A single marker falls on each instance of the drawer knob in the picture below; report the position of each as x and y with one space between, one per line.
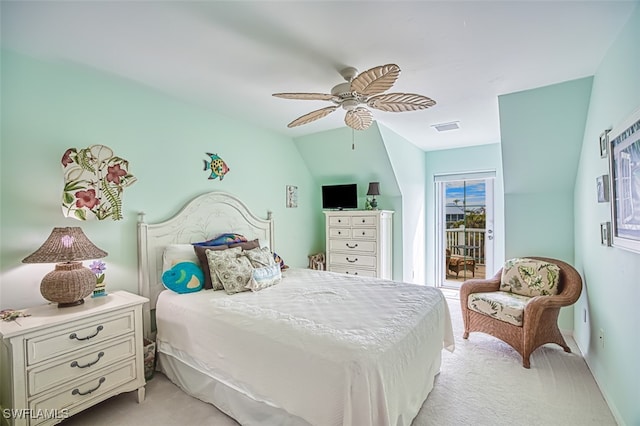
352 261
339 232
364 233
339 221
363 221
75 336
89 364
76 391
351 246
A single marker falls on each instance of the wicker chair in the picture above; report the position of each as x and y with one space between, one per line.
540 319
456 263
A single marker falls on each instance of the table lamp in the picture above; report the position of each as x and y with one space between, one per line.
374 189
70 282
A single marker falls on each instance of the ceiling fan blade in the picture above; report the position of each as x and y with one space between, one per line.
305 96
376 80
359 118
400 102
312 116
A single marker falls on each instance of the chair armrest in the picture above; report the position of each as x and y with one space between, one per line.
479 286
548 302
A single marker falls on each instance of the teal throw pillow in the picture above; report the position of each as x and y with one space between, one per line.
184 277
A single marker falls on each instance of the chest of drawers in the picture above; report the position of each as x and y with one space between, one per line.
59 361
359 242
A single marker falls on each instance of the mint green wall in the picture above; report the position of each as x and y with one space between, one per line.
463 160
542 131
331 160
48 107
408 164
611 275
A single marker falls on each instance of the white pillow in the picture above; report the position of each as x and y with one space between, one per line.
176 253
262 278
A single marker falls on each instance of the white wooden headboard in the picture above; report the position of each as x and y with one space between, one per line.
204 217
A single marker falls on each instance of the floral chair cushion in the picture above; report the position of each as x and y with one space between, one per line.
501 305
530 277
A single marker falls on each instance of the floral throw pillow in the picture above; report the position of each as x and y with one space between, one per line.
530 277
260 257
232 267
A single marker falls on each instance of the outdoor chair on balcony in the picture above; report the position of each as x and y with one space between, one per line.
520 304
456 263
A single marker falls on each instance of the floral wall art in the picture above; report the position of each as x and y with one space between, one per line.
94 179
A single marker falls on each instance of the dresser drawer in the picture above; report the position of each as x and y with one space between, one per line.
364 233
80 364
354 271
339 233
353 246
339 221
353 259
78 336
363 221
82 391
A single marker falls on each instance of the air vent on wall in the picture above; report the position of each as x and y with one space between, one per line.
445 127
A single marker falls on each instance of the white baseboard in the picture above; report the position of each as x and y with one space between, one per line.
612 406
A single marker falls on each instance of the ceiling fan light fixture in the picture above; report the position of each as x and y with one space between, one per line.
365 88
342 89
349 104
446 127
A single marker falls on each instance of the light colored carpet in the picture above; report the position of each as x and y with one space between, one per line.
481 383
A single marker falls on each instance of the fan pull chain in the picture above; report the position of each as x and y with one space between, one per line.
353 140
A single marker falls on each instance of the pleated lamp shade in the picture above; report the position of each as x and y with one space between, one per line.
374 189
70 282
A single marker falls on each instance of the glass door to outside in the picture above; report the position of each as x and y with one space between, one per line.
464 228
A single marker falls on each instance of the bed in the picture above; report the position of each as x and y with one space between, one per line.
318 348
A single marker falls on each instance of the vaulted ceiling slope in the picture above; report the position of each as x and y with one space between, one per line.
232 56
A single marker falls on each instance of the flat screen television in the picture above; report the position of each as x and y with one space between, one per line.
338 197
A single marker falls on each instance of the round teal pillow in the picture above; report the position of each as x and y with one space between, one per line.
184 277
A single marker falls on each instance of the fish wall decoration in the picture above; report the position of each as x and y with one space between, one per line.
217 166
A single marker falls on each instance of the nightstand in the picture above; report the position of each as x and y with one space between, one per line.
60 361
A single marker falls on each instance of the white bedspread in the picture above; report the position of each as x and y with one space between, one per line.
330 348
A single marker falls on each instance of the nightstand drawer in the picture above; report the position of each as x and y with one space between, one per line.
82 391
339 233
354 271
340 221
352 259
352 246
80 364
80 335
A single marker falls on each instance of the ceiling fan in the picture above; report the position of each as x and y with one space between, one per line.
364 88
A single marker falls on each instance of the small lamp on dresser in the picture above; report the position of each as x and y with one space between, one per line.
374 189
70 282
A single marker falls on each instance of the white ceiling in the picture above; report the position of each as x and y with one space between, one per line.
231 56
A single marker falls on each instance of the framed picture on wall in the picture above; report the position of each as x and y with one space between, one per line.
624 177
605 233
602 186
604 143
292 196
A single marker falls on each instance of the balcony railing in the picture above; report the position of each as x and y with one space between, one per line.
467 242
